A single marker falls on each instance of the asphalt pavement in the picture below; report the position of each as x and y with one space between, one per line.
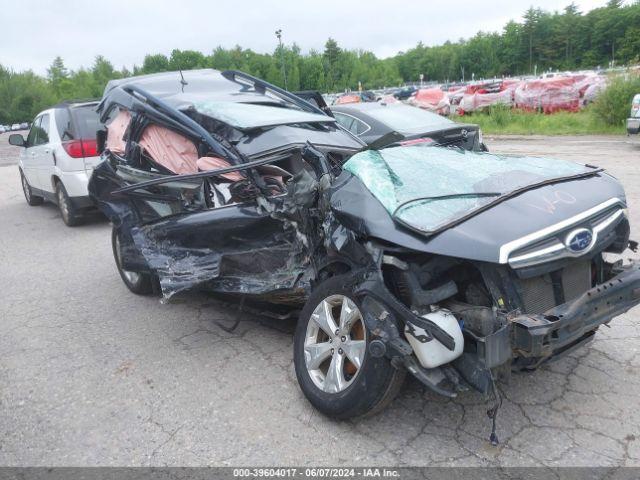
91 374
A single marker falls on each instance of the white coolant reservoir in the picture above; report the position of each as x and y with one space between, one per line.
432 353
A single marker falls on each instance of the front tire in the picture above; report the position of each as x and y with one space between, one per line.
138 283
333 365
32 200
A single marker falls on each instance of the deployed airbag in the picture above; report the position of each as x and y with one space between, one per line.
169 149
215 163
116 131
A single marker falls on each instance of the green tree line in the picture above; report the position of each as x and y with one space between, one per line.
543 40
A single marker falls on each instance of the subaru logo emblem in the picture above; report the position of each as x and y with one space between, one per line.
579 241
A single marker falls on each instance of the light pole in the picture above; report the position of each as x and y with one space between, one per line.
284 72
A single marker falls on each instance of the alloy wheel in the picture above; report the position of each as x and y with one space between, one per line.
335 344
62 204
26 189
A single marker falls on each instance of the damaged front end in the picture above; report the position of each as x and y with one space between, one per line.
522 267
454 266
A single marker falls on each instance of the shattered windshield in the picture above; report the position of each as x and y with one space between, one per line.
248 115
428 187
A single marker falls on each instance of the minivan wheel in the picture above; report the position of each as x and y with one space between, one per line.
31 199
334 368
69 215
138 283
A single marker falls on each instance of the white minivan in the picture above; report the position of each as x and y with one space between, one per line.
58 157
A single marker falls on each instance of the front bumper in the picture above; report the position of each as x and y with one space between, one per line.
559 330
633 125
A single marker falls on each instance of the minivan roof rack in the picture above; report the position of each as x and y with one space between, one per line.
75 101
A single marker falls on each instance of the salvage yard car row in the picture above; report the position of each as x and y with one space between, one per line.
400 244
548 93
14 127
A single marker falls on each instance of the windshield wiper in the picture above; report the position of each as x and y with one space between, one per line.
446 197
498 198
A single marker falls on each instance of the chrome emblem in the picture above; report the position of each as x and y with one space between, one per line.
579 241
464 132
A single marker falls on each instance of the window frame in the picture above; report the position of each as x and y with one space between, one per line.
44 116
354 120
34 126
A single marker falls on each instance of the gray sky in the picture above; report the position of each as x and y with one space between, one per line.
34 32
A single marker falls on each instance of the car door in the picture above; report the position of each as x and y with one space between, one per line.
29 153
42 157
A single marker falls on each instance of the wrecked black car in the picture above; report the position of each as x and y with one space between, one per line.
381 125
452 265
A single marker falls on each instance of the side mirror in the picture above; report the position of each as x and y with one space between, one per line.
17 140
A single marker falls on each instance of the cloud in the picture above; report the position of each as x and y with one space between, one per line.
124 31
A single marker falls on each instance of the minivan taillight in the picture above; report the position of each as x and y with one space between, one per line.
81 148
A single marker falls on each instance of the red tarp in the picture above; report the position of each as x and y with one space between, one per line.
549 95
568 93
477 101
455 94
590 87
480 99
432 99
389 99
348 99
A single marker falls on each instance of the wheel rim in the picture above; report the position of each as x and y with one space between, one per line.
62 204
132 277
26 189
335 344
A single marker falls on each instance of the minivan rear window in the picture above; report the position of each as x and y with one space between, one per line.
86 121
77 122
63 124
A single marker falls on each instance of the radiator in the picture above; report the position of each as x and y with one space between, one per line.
538 293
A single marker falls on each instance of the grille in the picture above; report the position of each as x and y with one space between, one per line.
538 295
552 247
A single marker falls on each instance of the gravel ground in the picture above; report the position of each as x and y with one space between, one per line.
93 375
